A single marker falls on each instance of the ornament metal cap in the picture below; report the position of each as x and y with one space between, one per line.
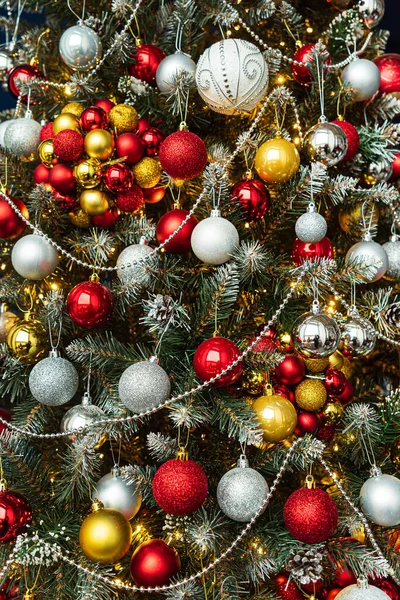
115 471
94 277
182 454
143 241
367 237
243 462
394 238
362 582
97 505
268 390
311 208
28 595
86 400
3 485
375 471
215 212
54 353
310 482
315 307
154 359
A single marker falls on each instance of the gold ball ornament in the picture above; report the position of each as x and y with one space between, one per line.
147 172
395 454
105 536
99 143
277 416
336 360
74 108
65 121
333 413
316 365
123 118
277 160
94 202
87 173
349 220
27 340
46 152
253 381
347 368
80 219
310 394
7 320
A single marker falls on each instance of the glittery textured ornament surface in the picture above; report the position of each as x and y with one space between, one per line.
287 590
311 394
46 133
33 257
68 145
75 108
113 492
310 515
137 272
22 138
80 219
354 592
147 172
311 227
380 499
316 365
143 386
123 118
180 486
53 381
214 240
131 200
392 249
353 138
105 536
183 155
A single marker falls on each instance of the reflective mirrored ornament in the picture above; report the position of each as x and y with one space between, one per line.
54 380
171 68
144 386
380 499
105 535
315 335
33 257
7 320
372 11
392 249
114 492
277 160
358 335
80 48
311 227
84 415
326 143
27 340
363 77
277 416
378 171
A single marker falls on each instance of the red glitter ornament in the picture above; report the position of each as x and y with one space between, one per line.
310 515
68 145
291 370
147 58
386 585
305 55
61 178
287 590
142 125
105 104
395 167
130 201
180 486
67 202
131 146
326 433
344 576
313 586
47 133
41 174
303 251
169 223
11 225
90 304
353 138
389 68
152 139
93 117
107 219
15 514
153 195
183 155
215 355
254 198
334 381
347 394
22 74
154 563
6 416
117 178
307 422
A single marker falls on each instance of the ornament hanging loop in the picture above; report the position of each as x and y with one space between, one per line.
310 482
179 34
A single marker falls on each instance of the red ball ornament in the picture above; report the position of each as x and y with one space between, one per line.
313 586
142 125
267 342
154 563
331 595
93 117
68 145
6 416
347 394
11 225
334 381
353 138
183 155
105 104
344 576
61 178
287 590
282 390
117 178
215 355
107 219
131 146
22 74
326 433
389 68
47 133
310 515
147 58
388 586
15 514
303 251
254 198
90 304
130 201
305 54
169 223
153 195
41 174
152 139
395 168
291 370
307 422
180 486
67 202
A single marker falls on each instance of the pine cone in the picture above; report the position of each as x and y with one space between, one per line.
161 308
305 565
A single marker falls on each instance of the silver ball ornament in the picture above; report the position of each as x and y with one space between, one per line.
22 137
3 127
113 492
370 256
139 272
214 239
80 47
379 171
311 227
392 249
241 492
33 257
326 143
144 386
83 415
53 381
372 11
232 76
380 499
315 335
358 335
364 78
363 591
6 61
170 68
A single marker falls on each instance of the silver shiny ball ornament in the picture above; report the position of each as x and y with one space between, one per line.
232 76
136 273
214 239
170 68
144 386
7 320
22 137
358 335
3 127
33 257
326 143
392 249
363 77
372 11
113 492
379 171
53 381
315 334
241 492
362 591
311 227
82 415
80 47
371 256
380 499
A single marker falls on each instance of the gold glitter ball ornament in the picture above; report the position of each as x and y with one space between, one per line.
27 340
316 365
333 413
147 172
123 118
347 368
87 173
277 416
94 202
74 108
99 143
310 394
105 536
65 121
80 219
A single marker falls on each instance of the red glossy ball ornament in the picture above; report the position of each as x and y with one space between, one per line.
142 125
303 251
41 174
154 563
287 590
105 104
22 74
291 370
331 595
305 54
93 117
307 422
180 486
147 59
107 219
61 178
347 394
131 146
313 586
326 433
395 168
215 355
344 576
353 138
117 178
282 390
310 515
183 155
90 304
153 195
69 203
15 514
169 223
388 586
152 139
68 145
334 381
389 68
254 198
267 342
130 201
6 416
11 225
46 133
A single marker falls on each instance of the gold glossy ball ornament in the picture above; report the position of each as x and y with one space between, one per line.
123 118
46 152
99 143
253 381
336 360
349 220
147 172
94 202
333 413
277 160
65 121
316 365
277 416
395 454
27 340
74 108
80 219
87 173
105 536
310 394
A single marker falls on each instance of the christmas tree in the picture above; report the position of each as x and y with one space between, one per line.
200 322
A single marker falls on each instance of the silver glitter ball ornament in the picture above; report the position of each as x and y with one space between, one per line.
392 249
326 143
113 492
214 239
3 127
83 415
33 257
80 47
53 381
380 499
241 492
362 591
364 78
315 335
136 273
144 386
170 68
372 11
22 137
358 335
379 171
371 256
311 227
232 76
